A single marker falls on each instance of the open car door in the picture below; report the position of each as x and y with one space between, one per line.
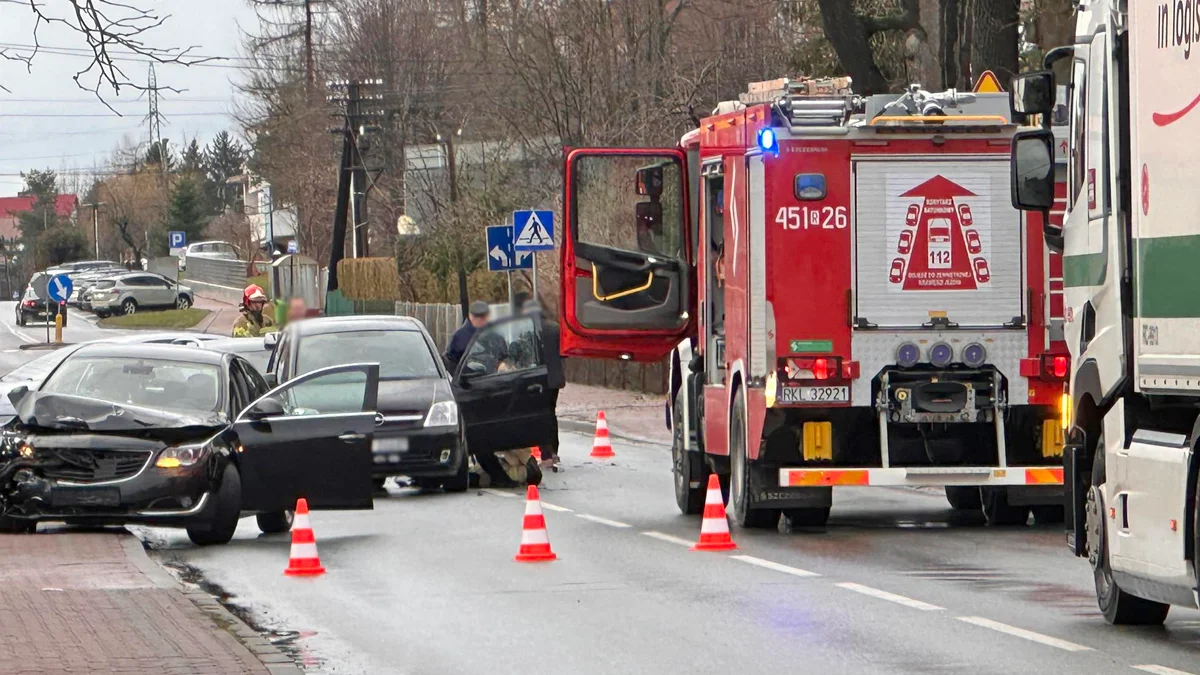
310 437
502 387
627 274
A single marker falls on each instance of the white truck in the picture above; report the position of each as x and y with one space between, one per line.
1131 246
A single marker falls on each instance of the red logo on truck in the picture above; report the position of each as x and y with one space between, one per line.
942 255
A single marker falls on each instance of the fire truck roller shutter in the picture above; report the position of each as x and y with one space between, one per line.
963 257
629 231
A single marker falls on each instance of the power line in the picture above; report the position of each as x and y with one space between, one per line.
213 99
109 116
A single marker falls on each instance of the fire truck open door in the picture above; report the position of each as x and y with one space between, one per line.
627 280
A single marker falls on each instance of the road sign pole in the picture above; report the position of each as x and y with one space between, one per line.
510 293
535 291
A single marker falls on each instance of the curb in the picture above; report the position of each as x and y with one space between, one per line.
275 661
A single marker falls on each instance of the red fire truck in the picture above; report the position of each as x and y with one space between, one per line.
846 295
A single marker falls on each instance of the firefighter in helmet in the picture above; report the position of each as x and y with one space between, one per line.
253 322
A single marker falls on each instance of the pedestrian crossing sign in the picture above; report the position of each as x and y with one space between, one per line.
533 230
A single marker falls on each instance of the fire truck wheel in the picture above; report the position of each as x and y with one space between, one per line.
814 517
1118 607
964 497
739 475
684 465
1048 514
998 512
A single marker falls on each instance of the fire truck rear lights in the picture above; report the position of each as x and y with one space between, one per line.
1060 366
767 142
941 354
819 368
974 355
907 355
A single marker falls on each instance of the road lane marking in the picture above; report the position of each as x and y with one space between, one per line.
551 507
20 336
498 493
890 597
1161 670
1024 634
771 565
602 521
663 536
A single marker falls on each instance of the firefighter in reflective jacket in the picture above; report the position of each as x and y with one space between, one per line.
253 322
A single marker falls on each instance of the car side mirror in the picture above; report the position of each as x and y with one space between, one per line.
267 407
270 340
18 394
1033 170
1032 93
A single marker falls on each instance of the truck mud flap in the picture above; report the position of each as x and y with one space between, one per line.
765 492
1074 457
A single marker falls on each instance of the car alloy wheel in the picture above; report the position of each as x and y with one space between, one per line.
129 306
183 302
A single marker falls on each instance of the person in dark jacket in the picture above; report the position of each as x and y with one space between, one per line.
555 376
477 317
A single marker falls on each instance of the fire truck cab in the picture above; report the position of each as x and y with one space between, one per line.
804 260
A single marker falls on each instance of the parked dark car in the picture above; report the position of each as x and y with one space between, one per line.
187 437
418 431
32 308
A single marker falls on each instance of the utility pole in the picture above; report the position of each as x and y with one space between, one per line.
155 119
95 206
309 69
361 111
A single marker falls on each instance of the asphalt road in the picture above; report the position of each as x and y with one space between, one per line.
426 583
80 328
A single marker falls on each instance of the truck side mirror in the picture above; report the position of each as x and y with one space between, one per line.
1032 93
650 181
1033 170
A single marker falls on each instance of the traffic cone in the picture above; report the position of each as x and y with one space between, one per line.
536 453
304 561
714 529
601 446
535 542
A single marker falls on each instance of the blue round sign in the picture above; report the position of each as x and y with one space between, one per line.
59 288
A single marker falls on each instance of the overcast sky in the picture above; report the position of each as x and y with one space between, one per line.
47 121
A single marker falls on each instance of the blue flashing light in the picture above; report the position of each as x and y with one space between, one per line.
767 141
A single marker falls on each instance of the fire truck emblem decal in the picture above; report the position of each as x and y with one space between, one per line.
940 246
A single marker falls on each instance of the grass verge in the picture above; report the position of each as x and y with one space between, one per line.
175 319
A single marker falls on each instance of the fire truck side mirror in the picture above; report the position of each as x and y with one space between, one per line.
1032 93
1033 170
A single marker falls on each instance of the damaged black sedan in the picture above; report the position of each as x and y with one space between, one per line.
184 437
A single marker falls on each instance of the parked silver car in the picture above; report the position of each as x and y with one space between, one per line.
219 250
131 292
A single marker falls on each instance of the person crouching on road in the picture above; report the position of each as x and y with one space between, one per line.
253 322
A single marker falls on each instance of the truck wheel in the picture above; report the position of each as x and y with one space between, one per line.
683 465
997 511
739 477
1048 514
274 523
812 517
222 517
1119 608
964 497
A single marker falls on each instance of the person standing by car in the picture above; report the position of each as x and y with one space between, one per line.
297 310
253 322
477 318
556 378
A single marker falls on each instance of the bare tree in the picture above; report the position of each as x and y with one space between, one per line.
111 29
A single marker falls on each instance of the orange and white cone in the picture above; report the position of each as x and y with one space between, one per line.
714 529
304 561
535 541
601 445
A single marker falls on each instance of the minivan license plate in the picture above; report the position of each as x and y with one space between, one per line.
815 395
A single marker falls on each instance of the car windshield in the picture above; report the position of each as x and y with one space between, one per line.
177 386
401 354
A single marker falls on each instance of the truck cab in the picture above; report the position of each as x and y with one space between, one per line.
1129 274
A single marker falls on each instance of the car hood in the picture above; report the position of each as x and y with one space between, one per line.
412 395
75 413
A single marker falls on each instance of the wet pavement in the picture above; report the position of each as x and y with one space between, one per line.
899 583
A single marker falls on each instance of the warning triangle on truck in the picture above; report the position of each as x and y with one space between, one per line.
988 83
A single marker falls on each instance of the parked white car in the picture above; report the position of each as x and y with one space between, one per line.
219 250
136 291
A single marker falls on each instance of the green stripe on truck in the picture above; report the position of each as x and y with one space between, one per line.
1083 270
1169 271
